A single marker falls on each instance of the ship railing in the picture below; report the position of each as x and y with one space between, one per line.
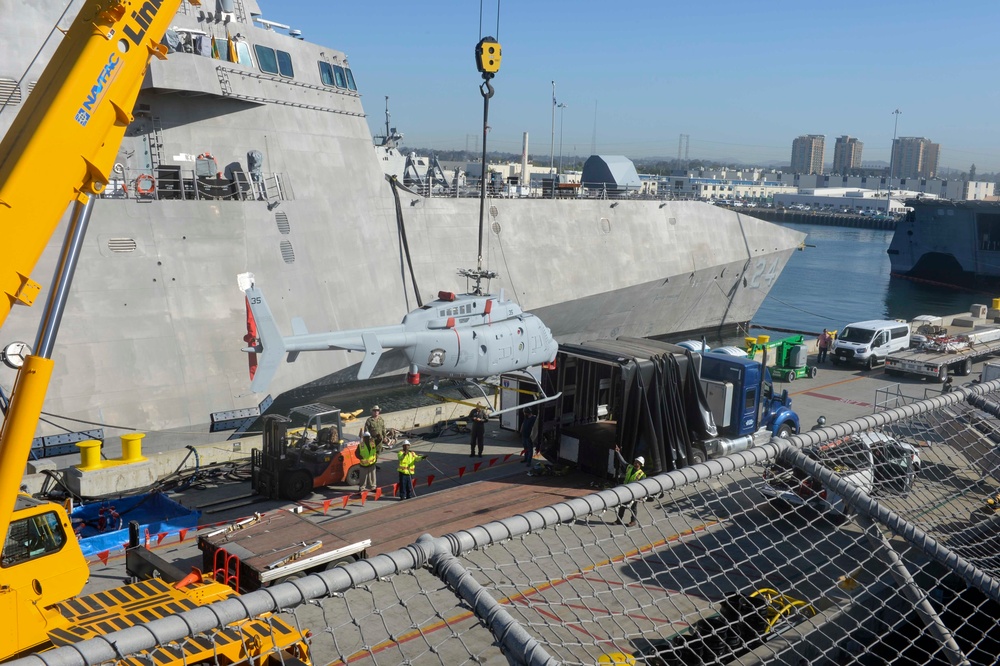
470 187
174 183
870 539
189 9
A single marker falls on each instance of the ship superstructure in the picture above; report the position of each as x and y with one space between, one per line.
948 242
251 151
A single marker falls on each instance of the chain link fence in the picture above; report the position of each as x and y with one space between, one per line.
873 541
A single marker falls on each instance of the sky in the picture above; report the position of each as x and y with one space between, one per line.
740 79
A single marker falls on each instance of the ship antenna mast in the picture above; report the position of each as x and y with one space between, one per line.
488 63
386 117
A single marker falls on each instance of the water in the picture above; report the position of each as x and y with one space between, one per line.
845 278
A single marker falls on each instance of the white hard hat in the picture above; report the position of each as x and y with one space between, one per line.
366 434
640 460
406 442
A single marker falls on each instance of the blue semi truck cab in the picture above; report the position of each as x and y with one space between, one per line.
741 395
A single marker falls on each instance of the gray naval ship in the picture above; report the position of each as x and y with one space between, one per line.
250 151
955 243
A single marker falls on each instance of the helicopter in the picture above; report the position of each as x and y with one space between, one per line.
456 336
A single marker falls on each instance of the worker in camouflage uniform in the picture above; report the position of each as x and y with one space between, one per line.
376 426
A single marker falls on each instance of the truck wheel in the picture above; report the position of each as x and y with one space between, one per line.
342 562
296 485
943 373
812 372
353 476
698 454
785 431
790 376
289 578
871 362
966 368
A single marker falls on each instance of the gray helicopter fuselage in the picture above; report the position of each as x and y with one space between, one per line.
470 335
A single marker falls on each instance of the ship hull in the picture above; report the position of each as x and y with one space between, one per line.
151 338
949 243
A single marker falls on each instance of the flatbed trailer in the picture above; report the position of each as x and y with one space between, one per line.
274 547
937 364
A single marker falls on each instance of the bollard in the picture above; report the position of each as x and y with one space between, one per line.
90 455
132 447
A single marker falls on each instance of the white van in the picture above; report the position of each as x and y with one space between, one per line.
870 342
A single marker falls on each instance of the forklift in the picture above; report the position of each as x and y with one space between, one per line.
790 356
293 460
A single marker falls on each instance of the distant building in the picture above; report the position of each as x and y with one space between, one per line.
722 184
846 154
956 190
914 157
807 153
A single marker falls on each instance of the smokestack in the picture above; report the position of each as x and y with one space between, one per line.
525 181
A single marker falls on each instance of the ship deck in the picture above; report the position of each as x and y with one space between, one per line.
498 485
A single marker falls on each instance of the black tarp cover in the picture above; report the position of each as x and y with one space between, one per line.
663 408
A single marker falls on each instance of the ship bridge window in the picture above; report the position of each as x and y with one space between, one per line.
326 73
243 54
285 64
274 62
351 85
339 76
266 58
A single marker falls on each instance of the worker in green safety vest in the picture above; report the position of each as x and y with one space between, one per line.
633 472
407 467
367 457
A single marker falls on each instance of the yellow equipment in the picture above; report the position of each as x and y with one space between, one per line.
69 129
782 607
488 57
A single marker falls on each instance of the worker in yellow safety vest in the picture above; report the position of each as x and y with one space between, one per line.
407 467
633 472
367 457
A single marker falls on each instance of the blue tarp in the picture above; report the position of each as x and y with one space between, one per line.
102 526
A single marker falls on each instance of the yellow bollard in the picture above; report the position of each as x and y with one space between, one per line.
90 455
996 303
763 339
132 447
749 342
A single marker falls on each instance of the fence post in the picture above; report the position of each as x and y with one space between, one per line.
911 591
517 644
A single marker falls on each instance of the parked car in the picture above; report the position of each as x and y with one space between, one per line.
874 461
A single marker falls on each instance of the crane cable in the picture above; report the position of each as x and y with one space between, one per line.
497 33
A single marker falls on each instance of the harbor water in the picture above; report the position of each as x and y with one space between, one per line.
842 276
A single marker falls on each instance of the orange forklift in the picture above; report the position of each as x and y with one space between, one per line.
295 459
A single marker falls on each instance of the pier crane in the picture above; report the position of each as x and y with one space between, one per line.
59 151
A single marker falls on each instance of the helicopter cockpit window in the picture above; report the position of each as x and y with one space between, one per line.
31 538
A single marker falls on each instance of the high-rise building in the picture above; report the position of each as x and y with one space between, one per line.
846 155
807 153
914 157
